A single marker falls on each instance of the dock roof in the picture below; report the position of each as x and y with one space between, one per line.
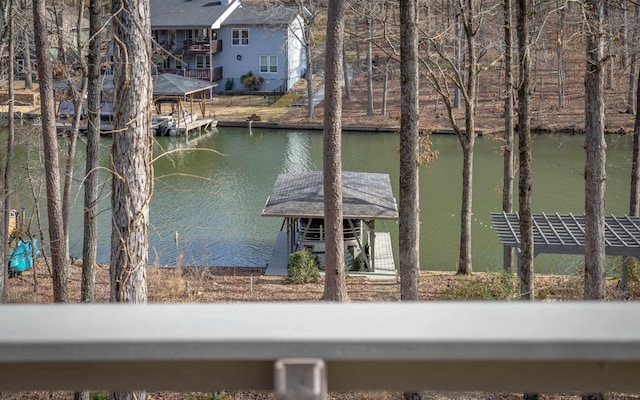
364 196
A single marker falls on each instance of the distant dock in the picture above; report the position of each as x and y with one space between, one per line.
199 124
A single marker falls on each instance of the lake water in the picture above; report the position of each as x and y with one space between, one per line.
212 202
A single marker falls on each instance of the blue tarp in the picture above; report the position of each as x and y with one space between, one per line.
21 255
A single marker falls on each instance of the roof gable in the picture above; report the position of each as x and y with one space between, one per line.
188 13
256 16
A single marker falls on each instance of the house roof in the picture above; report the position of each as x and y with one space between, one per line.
186 13
255 15
364 196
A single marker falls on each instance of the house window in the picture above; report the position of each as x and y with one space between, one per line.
202 61
268 64
197 35
240 37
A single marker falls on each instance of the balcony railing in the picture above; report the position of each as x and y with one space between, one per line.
517 346
198 73
200 47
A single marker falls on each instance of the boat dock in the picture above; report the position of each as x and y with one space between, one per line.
385 267
199 124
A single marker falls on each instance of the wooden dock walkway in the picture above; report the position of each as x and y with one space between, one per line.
383 253
203 123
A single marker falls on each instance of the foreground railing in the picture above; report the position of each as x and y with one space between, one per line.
365 346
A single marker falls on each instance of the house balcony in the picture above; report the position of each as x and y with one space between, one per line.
198 47
198 73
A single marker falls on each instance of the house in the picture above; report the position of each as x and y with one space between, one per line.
222 41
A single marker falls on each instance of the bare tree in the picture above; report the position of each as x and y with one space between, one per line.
308 11
560 45
508 154
595 147
409 232
633 63
131 154
78 105
90 243
345 72
370 23
335 287
634 195
131 151
6 182
59 260
443 71
524 149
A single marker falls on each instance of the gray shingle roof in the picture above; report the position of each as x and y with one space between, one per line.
260 16
185 13
364 196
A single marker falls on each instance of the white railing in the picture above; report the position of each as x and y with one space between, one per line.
514 346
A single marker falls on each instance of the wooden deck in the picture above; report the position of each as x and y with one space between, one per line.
204 123
383 252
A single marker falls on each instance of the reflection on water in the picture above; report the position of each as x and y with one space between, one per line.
206 204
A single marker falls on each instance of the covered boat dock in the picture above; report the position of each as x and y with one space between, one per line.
298 198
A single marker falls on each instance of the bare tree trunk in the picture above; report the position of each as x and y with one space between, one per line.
409 232
468 139
606 26
633 63
508 156
524 147
560 44
464 263
370 110
28 68
385 87
335 287
6 182
345 72
634 195
131 151
78 105
309 61
356 29
57 242
131 154
458 51
595 147
90 243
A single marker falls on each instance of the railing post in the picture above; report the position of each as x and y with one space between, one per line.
300 379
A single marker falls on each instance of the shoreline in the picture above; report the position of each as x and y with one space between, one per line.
247 123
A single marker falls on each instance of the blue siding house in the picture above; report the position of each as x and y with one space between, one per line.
222 41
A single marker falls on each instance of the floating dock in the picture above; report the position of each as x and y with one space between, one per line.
204 123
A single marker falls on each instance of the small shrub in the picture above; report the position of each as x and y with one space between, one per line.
251 80
210 396
359 264
98 396
303 267
492 286
229 84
